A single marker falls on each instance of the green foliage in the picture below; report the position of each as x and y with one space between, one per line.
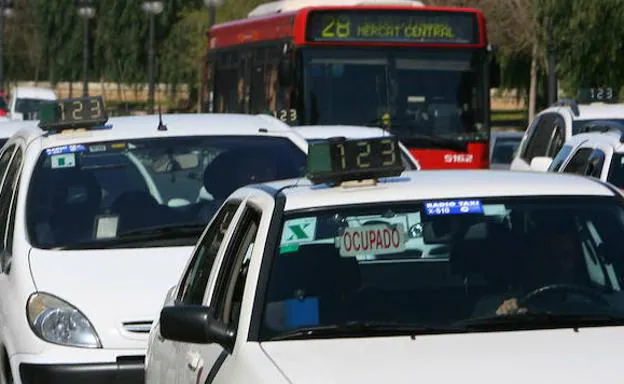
120 44
61 32
183 53
588 38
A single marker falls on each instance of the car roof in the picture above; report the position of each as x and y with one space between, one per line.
35 93
439 185
326 131
9 128
506 134
599 111
146 126
609 138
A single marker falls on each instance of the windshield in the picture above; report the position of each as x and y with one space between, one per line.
29 107
99 193
578 126
439 263
616 170
424 91
504 149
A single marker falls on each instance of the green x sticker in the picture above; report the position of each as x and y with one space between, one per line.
299 230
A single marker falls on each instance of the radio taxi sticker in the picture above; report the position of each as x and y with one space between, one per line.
65 160
453 207
66 149
377 239
299 230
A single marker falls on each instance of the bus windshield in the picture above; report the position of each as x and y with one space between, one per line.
424 91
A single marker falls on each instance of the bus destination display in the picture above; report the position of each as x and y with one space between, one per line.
393 26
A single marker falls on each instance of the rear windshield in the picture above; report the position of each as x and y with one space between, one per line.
97 194
579 125
616 170
504 149
29 107
437 264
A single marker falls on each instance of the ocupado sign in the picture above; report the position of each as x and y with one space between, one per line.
372 239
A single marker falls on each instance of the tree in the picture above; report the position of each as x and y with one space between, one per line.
588 41
183 53
61 35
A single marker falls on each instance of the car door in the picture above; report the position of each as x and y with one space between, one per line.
163 360
578 161
226 296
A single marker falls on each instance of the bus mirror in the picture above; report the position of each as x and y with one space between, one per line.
494 72
285 72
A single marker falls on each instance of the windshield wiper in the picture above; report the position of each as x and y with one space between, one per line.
539 320
361 329
174 230
441 142
169 232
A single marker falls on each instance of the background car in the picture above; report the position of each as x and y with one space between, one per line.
503 145
25 102
555 125
595 154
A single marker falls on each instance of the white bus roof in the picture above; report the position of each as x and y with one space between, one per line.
293 5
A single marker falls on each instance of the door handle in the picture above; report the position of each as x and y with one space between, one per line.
193 360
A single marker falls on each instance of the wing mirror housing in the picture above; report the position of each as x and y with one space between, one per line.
541 163
194 324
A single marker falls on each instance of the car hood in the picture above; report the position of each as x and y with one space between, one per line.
120 291
559 356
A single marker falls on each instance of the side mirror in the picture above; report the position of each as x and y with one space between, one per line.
194 324
285 72
541 163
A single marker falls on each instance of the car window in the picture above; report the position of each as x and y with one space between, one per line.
7 197
29 107
616 170
504 149
578 126
559 159
595 163
363 263
193 284
228 293
540 138
102 193
578 162
557 137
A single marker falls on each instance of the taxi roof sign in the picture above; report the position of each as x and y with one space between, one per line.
83 112
337 160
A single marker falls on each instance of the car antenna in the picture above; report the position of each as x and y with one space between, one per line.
161 126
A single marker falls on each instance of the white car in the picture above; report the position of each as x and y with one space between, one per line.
25 102
11 127
555 125
318 280
598 154
99 223
320 132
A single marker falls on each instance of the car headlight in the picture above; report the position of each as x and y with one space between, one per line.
58 322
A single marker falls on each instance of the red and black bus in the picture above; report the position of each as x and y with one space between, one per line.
422 72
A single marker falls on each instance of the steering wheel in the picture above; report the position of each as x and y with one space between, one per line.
588 292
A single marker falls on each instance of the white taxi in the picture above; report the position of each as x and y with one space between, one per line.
319 280
100 221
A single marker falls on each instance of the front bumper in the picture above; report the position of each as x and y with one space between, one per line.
127 370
